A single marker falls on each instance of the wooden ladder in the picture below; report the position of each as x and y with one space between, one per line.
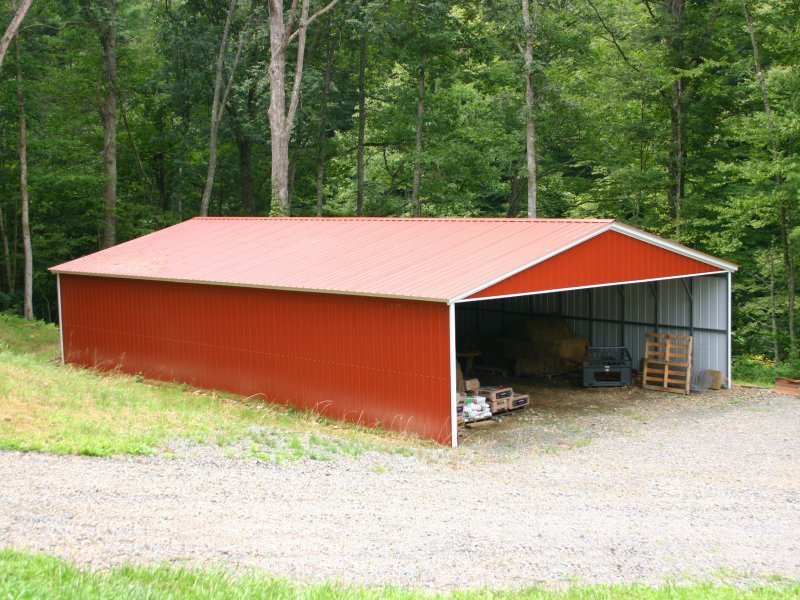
667 363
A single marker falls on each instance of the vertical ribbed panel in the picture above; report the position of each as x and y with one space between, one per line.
608 258
367 360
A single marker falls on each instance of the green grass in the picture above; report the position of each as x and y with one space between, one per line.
25 337
757 369
32 576
45 406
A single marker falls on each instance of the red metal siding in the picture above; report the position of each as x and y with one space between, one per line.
367 360
610 257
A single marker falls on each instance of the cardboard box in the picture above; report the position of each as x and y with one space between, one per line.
498 406
519 401
495 392
472 385
474 398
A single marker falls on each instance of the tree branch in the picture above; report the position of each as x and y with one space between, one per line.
308 21
287 30
11 31
613 37
297 83
223 47
243 37
650 10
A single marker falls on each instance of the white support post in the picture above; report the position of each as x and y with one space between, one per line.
453 384
730 329
60 318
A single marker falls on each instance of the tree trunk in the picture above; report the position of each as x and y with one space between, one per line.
784 225
27 250
13 27
513 197
218 104
281 118
216 110
279 134
362 122
776 348
415 202
530 133
762 81
108 40
788 264
6 253
161 180
677 155
246 184
677 146
323 125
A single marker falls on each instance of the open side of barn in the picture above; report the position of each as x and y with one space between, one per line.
361 319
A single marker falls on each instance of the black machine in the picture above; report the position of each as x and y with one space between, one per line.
605 366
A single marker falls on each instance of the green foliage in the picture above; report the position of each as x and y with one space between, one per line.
25 575
753 369
605 74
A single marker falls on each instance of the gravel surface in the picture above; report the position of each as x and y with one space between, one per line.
624 486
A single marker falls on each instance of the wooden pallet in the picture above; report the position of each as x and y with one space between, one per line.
667 363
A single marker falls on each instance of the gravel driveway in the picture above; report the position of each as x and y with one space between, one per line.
711 490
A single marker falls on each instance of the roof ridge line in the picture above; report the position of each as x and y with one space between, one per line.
520 220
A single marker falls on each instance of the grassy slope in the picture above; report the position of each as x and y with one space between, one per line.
45 406
24 575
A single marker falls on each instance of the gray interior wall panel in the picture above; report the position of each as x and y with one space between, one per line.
674 305
607 302
711 302
639 303
574 303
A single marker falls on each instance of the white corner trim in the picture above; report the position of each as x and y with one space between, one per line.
730 330
655 240
60 319
533 263
453 377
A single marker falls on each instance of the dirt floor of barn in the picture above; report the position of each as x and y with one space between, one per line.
564 415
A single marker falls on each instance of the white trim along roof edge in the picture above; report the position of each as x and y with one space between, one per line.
673 246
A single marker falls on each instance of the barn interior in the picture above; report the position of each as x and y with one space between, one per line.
592 337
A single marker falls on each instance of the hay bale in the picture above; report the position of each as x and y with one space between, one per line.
513 348
545 329
572 349
548 365
474 342
493 353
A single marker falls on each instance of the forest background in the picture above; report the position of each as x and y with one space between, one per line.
681 117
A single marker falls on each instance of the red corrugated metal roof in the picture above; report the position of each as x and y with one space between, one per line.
433 259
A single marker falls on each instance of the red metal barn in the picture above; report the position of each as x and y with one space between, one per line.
359 318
